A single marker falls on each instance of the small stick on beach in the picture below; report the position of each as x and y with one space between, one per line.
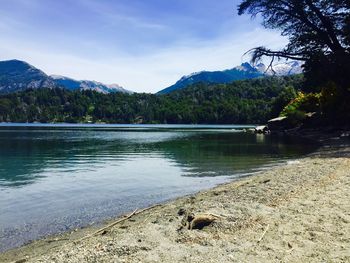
262 236
115 223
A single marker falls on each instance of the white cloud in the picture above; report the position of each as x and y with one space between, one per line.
147 72
113 18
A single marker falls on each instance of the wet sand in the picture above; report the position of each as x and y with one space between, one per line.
298 212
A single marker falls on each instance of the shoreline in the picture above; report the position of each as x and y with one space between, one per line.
156 234
126 125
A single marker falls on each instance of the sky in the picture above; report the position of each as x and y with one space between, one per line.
142 45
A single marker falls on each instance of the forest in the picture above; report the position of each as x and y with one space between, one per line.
242 102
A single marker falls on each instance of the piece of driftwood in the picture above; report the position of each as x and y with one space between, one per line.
106 227
56 240
199 221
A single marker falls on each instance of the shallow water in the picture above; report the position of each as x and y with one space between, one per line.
57 178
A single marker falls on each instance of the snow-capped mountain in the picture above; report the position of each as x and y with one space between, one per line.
244 71
16 75
73 84
278 69
285 69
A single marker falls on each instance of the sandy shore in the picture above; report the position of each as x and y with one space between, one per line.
298 212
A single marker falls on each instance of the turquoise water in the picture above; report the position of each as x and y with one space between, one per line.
58 177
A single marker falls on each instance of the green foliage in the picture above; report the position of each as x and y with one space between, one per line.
248 101
303 103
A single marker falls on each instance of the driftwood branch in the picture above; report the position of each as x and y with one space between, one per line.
136 212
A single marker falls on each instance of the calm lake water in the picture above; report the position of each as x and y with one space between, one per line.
56 178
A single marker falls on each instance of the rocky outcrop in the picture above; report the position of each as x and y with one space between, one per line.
279 124
261 129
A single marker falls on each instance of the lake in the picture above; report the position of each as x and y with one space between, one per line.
55 178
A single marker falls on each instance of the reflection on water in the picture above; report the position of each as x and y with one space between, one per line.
52 180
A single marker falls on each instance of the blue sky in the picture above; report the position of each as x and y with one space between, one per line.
143 45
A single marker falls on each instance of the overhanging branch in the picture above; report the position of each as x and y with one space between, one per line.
259 52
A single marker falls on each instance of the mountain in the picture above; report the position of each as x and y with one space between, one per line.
245 71
72 84
282 69
16 75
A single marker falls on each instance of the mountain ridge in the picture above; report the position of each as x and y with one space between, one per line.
17 75
242 72
73 84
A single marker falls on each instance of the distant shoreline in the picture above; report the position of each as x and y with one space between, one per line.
103 125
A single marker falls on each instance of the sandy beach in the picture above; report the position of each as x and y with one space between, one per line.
297 212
